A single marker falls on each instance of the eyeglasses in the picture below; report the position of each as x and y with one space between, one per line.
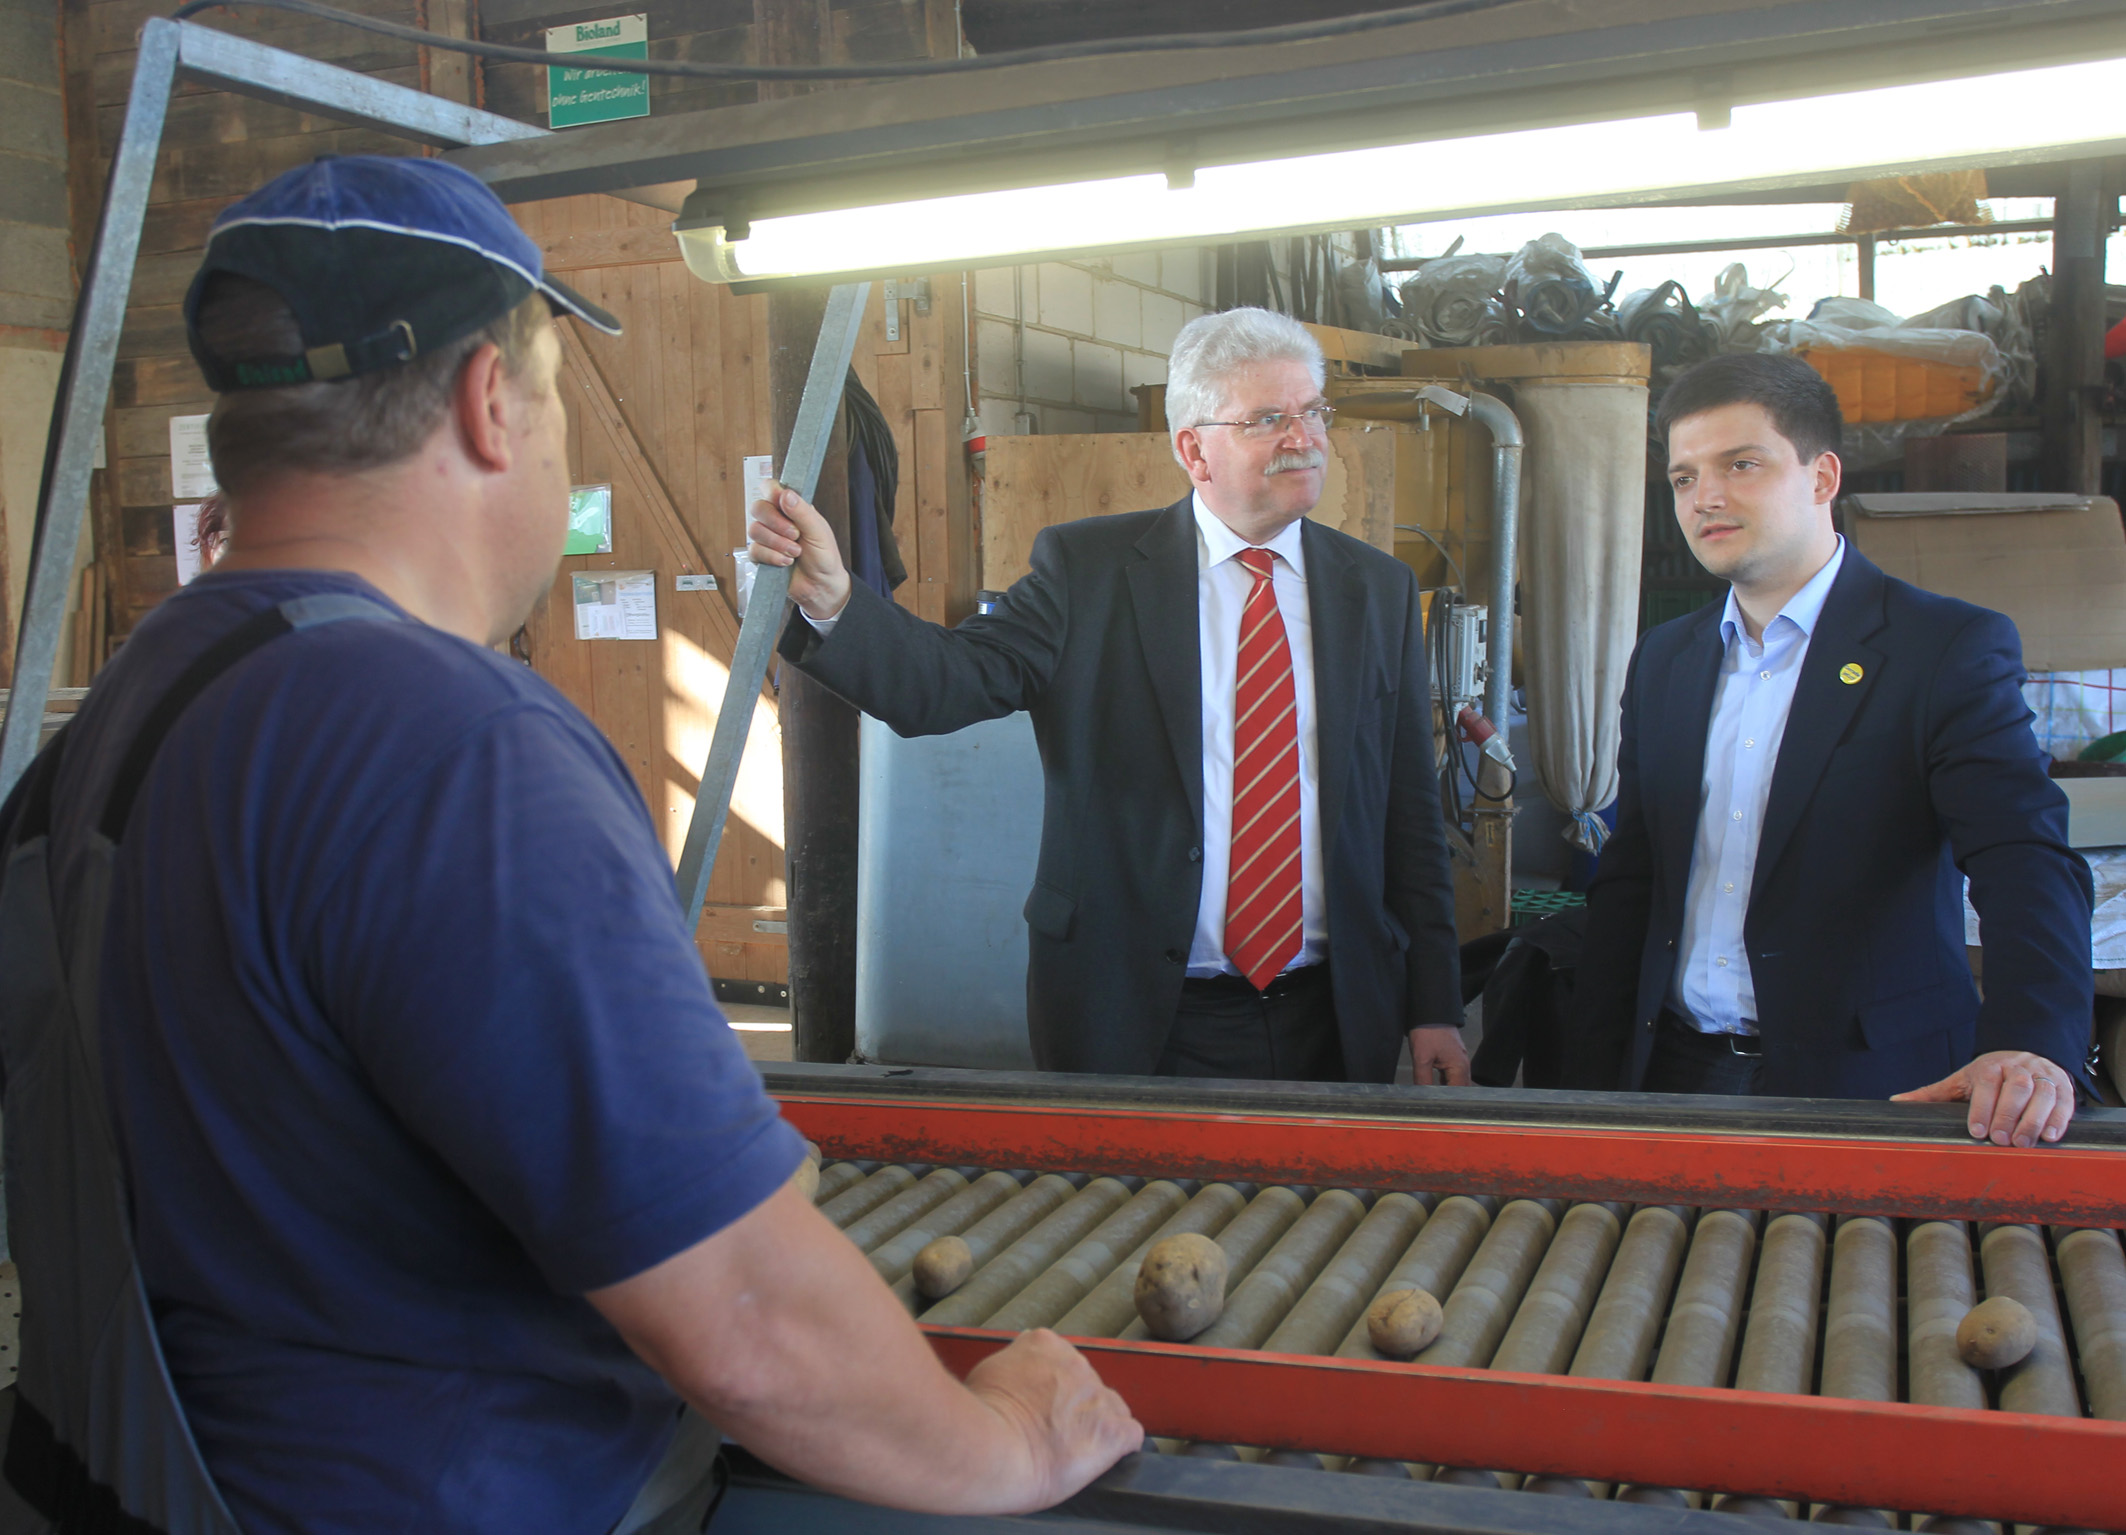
1272 423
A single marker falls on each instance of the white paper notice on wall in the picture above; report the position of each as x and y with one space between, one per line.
184 524
616 605
191 469
758 472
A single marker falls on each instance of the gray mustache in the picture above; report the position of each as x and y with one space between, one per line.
1306 458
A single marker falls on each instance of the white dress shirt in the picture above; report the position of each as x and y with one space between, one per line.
1222 586
1712 989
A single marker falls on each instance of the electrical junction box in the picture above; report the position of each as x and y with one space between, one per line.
1468 646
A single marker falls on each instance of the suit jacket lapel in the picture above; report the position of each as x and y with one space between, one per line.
1690 716
1824 704
1336 609
1162 588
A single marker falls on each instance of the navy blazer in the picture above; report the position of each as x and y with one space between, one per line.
1887 788
1099 642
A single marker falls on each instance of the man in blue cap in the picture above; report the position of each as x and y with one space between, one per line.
447 1183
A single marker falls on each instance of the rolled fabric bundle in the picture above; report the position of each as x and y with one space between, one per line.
1499 327
1448 299
1734 308
1551 287
1601 325
1665 320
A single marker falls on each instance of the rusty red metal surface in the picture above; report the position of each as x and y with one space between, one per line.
1987 1465
2061 1185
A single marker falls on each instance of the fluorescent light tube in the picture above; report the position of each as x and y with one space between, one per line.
1972 121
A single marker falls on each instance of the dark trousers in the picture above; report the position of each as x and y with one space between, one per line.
1226 1028
1686 1061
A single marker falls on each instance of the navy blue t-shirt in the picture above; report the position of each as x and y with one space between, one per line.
408 1047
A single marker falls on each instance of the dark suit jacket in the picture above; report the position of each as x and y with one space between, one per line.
1885 789
1099 643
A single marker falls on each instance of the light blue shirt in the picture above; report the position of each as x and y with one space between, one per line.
1712 988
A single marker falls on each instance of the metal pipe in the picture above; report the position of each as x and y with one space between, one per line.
1506 445
167 49
817 411
84 385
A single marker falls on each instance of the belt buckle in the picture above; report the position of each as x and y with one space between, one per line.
1735 1043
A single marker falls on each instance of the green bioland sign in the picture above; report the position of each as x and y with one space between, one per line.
576 95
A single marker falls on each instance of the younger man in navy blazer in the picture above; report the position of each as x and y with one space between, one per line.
1806 775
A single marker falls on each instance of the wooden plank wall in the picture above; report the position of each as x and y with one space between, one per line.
664 414
1036 482
688 392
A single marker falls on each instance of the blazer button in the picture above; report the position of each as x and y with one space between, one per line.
1195 855
1671 943
1649 1023
1175 956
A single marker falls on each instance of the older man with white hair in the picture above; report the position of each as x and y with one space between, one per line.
1243 871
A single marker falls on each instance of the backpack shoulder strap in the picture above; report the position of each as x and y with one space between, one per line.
258 630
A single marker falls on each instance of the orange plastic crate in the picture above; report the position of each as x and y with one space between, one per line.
1877 386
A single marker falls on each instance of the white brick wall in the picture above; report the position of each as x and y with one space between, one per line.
1082 332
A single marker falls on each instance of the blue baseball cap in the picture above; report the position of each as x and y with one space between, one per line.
381 259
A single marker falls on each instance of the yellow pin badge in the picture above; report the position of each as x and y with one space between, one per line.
1850 673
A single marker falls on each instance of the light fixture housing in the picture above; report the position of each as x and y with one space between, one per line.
2057 112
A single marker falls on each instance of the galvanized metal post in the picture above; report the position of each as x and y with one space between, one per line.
270 74
84 385
816 413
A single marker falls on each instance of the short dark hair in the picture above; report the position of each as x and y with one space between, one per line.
1800 401
343 427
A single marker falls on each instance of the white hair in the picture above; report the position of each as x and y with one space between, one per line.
1212 347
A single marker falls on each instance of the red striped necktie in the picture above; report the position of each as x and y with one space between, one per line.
1263 916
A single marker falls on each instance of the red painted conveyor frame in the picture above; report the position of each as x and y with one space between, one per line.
1998 1465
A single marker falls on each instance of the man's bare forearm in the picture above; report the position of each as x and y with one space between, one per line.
778 1330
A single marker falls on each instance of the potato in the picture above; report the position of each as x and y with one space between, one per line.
942 1267
807 1179
1402 1322
1996 1333
1181 1286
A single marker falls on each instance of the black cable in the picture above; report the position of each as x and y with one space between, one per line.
507 53
1513 781
1436 636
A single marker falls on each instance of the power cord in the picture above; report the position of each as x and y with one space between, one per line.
689 69
1426 534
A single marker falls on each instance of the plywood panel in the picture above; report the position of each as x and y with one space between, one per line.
1036 482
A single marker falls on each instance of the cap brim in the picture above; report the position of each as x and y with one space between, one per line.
579 306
